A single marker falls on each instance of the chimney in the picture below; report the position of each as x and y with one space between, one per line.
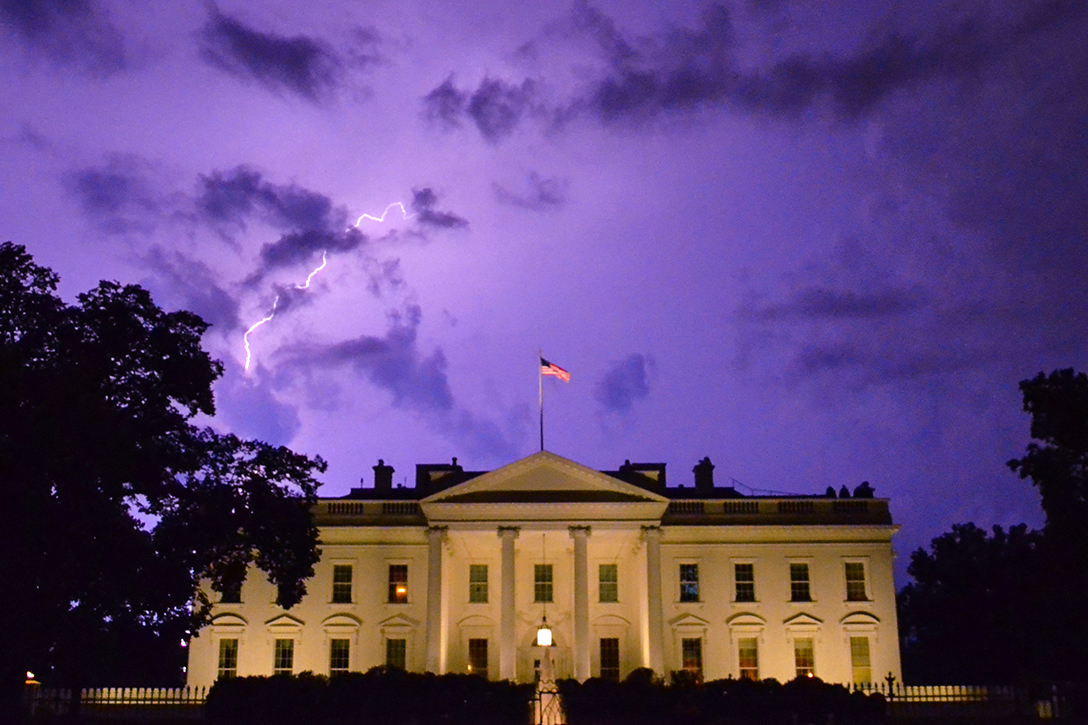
704 475
383 476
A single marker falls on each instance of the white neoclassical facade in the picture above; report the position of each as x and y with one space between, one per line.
457 573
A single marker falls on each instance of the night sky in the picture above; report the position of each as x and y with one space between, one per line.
820 243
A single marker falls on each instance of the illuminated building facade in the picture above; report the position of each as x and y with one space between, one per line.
457 573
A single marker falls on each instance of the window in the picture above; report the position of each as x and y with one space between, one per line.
689 582
398 583
859 660
231 594
692 654
477 657
396 654
744 576
855 582
341 584
748 658
608 583
542 583
799 591
804 657
610 658
477 583
228 658
339 656
283 661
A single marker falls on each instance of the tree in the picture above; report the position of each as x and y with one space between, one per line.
1058 467
963 618
1057 464
97 403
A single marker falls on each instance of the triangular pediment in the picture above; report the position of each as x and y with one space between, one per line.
802 621
283 622
544 478
398 621
688 621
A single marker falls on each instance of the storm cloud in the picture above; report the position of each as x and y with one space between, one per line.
299 65
540 193
625 382
71 32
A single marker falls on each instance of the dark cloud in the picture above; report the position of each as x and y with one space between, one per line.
542 193
73 32
365 47
423 203
314 225
393 362
445 104
624 383
300 65
830 304
689 70
191 285
497 106
118 196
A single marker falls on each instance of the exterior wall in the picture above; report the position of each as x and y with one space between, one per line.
717 619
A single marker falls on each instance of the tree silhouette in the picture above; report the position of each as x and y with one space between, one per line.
97 402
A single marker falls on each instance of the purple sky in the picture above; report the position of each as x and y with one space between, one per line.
818 243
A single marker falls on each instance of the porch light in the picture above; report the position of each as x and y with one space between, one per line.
544 634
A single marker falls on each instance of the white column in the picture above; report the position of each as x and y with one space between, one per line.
581 603
507 642
652 536
435 536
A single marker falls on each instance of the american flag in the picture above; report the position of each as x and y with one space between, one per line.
547 368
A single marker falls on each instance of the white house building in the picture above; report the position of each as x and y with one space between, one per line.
457 574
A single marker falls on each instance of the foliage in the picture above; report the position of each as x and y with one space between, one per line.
962 617
97 402
1058 464
380 696
639 700
1004 608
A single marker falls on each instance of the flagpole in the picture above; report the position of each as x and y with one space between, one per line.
540 382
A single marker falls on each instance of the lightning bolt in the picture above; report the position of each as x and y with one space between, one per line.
263 320
380 219
310 277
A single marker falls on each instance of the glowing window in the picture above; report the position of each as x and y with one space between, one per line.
748 658
228 658
398 583
477 657
804 657
859 660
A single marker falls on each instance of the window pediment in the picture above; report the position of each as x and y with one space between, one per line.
688 622
746 619
860 622
228 622
284 623
803 622
342 621
398 623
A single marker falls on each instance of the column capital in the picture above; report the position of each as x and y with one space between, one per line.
651 532
509 532
437 532
579 532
